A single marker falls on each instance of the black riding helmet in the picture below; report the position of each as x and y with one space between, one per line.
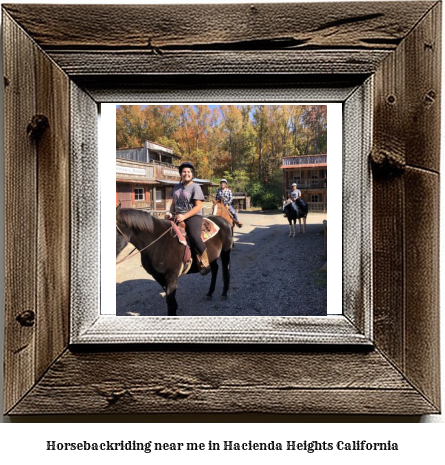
187 164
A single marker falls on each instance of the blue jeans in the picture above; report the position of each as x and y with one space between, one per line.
233 212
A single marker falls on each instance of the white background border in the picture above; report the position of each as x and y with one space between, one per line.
107 180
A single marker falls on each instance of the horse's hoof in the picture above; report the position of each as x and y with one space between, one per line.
224 297
208 297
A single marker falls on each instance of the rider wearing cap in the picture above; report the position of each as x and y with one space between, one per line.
225 194
187 206
294 195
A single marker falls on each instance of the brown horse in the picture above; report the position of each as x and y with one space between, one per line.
162 253
219 209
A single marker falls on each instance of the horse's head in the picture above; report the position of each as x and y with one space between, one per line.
286 202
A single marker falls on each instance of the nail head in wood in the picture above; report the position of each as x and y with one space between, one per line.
430 97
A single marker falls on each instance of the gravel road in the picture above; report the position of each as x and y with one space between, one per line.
271 274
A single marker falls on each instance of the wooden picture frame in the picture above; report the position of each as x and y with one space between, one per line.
57 70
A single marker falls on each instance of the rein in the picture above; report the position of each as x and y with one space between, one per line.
131 254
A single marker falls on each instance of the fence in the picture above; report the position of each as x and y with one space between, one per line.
317 206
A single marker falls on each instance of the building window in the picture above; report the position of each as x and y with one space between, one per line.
138 193
158 196
314 198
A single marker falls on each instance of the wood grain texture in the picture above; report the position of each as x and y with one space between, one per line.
423 92
283 45
162 27
20 213
53 208
221 382
406 133
357 209
84 178
104 62
218 87
422 281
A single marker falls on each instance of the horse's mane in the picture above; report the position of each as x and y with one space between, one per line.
136 219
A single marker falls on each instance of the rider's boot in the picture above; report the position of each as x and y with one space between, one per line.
203 262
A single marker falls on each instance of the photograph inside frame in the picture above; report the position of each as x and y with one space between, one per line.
221 210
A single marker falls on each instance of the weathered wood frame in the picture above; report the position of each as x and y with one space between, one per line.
62 70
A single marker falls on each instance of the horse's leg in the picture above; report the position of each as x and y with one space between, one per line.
304 224
299 225
225 259
214 270
290 228
170 295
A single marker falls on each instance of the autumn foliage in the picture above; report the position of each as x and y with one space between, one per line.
243 142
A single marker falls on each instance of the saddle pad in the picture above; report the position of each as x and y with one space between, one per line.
209 229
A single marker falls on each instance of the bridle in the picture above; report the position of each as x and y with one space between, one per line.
131 254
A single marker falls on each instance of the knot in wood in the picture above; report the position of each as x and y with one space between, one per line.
173 393
114 397
37 126
26 318
386 162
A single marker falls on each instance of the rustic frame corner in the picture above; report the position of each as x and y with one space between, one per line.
69 73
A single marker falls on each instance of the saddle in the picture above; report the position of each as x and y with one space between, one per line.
209 230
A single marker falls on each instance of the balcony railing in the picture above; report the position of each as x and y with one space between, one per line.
317 206
305 160
309 185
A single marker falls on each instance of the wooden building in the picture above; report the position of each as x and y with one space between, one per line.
145 177
309 172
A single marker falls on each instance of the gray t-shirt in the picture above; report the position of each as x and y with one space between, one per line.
183 197
295 194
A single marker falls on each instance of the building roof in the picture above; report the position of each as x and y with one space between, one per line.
138 181
312 165
167 181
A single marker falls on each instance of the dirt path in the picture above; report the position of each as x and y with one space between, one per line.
271 274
